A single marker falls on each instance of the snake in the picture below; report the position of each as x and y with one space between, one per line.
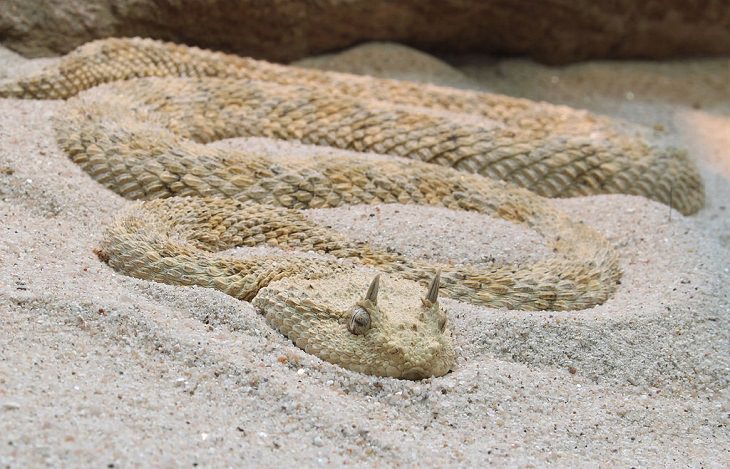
139 115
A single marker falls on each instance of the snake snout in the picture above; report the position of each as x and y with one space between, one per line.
427 371
433 362
415 374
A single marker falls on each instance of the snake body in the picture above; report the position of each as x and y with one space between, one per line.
554 151
146 109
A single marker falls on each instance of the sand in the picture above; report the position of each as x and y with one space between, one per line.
99 369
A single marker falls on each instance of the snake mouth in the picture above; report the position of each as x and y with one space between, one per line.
415 374
418 373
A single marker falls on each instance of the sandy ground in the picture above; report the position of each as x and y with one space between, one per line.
100 369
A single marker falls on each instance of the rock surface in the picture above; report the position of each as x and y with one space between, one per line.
554 31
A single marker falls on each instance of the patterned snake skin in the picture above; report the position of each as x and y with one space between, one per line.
145 138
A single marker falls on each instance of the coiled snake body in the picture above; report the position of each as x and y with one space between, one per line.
139 114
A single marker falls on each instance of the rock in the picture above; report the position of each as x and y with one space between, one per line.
554 31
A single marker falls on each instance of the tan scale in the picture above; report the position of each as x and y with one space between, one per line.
552 150
145 139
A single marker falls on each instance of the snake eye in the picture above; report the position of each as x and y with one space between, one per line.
359 321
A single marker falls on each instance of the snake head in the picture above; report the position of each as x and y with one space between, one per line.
395 329
412 341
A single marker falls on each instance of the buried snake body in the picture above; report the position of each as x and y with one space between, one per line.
140 112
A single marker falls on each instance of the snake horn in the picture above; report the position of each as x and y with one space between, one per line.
433 288
372 293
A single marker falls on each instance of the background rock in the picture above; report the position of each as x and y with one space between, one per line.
554 31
